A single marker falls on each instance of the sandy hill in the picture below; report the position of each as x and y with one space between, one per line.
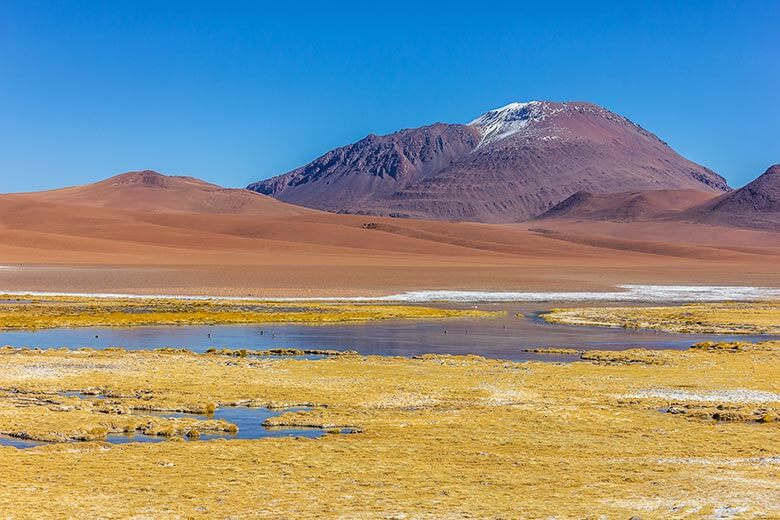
148 233
508 165
150 191
631 206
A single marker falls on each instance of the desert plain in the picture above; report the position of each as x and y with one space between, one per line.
150 234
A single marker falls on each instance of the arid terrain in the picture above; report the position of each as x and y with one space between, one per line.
147 233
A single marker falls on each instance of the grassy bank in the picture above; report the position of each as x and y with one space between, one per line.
38 312
672 434
716 318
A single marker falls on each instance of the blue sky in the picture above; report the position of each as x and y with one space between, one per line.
233 92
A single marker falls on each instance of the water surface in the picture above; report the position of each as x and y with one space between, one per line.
248 419
503 337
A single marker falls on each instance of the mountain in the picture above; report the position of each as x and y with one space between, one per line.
508 165
153 192
626 206
755 205
352 179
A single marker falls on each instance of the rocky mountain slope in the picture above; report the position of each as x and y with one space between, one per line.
508 165
626 207
755 205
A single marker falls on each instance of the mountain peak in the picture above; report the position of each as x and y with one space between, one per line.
762 194
153 179
756 205
547 119
773 170
510 119
511 110
150 192
143 177
507 165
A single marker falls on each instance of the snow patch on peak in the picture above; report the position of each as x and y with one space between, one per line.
509 108
507 120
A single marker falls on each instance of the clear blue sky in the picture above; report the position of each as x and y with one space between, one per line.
233 92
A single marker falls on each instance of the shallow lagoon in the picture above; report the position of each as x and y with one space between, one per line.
503 337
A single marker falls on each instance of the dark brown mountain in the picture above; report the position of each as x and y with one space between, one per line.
508 165
755 205
354 178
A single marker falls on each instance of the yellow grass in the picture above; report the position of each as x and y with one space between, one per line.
31 312
441 436
721 318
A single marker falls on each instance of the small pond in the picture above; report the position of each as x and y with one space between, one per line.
248 419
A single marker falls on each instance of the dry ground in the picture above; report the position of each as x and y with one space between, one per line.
60 244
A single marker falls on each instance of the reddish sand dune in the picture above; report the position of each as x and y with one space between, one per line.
183 236
151 191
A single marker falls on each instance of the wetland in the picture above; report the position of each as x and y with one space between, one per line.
504 415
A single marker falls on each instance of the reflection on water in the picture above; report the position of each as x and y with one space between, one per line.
502 337
81 395
7 440
248 419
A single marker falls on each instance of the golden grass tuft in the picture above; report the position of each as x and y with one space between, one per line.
714 318
38 312
440 437
627 357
